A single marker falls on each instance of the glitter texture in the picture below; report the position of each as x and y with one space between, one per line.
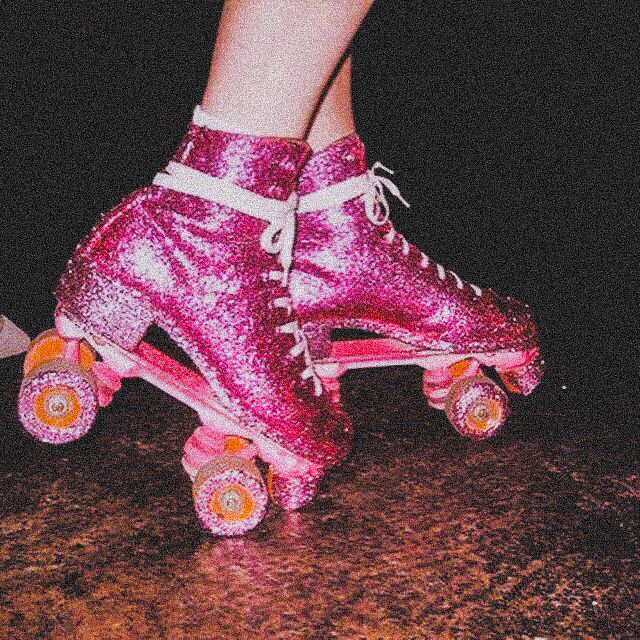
347 274
477 395
196 269
293 492
57 374
204 490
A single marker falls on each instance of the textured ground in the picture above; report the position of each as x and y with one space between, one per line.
419 535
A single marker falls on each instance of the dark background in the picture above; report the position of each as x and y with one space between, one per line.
512 127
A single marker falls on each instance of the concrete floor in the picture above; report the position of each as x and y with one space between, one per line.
419 535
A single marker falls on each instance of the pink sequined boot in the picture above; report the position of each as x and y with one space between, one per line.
204 253
354 270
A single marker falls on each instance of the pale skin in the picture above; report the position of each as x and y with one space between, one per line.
272 62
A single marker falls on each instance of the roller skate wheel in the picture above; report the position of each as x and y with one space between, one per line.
49 346
58 402
229 496
232 502
477 407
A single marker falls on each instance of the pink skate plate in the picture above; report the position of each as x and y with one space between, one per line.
64 384
475 405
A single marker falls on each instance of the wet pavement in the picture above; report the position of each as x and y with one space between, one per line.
419 535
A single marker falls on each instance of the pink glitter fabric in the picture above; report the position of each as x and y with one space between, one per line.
293 492
196 269
48 378
348 274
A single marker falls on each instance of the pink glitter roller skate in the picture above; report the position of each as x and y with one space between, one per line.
204 253
354 270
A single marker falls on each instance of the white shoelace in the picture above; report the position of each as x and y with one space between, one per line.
277 239
371 186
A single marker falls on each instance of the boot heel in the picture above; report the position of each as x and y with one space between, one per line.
105 307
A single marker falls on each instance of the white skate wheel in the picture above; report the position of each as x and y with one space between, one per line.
58 402
477 407
229 496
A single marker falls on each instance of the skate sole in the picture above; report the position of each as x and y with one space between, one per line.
387 352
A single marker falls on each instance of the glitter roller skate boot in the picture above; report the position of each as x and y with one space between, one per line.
203 253
354 270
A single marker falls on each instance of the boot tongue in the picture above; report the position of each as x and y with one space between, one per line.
267 166
345 158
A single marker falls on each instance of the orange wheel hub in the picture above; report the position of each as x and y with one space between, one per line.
483 415
57 407
232 503
270 487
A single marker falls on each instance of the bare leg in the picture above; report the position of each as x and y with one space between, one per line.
273 58
334 117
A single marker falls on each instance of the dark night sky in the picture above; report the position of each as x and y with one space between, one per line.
512 127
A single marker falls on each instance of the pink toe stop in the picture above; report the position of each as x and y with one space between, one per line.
525 378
